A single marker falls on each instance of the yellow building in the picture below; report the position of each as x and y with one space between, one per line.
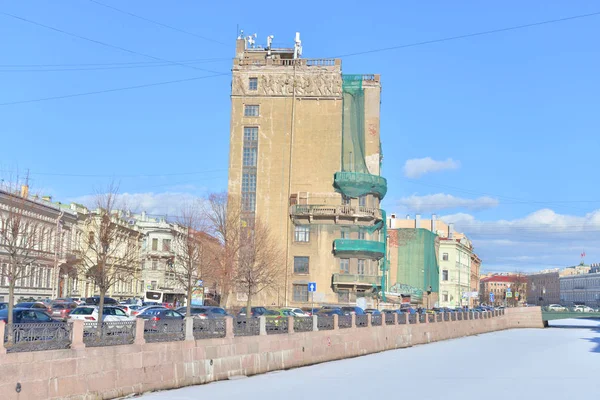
305 158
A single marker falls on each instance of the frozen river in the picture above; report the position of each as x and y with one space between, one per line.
560 362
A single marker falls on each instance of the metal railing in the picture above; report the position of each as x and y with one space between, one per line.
453 316
318 210
361 321
110 333
209 328
164 330
459 316
431 318
476 314
412 318
276 326
376 320
401 319
325 323
422 318
439 317
20 337
446 316
243 326
390 319
344 321
303 324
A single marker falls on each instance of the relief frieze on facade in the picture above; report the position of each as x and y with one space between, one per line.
277 84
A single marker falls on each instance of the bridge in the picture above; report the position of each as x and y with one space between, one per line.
553 315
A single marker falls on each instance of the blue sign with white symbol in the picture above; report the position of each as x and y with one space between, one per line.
491 296
312 286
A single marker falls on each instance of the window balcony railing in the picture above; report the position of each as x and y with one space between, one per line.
356 279
319 212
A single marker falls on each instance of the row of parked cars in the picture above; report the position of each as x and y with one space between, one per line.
578 308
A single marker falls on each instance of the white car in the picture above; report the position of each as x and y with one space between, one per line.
583 309
90 313
556 307
298 312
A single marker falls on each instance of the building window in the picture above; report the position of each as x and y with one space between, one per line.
250 111
444 296
166 245
253 84
248 183
344 265
250 133
153 285
154 244
248 202
301 265
361 235
154 265
302 233
362 201
91 240
301 293
361 267
343 296
445 275
344 234
249 159
48 275
345 200
445 256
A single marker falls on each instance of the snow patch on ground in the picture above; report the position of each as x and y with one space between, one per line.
545 364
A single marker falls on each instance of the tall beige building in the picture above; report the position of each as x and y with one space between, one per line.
305 157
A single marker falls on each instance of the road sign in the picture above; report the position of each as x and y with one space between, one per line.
508 294
508 290
491 297
312 286
199 282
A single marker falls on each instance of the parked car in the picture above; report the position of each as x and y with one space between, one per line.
138 310
581 308
256 311
353 310
61 310
275 317
298 312
95 300
3 306
26 315
160 314
557 307
90 313
372 311
203 312
329 311
310 310
36 305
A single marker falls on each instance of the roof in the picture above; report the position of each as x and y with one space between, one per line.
503 278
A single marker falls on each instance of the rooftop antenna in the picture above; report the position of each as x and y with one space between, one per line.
297 46
269 43
251 40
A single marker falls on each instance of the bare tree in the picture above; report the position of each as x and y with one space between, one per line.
224 215
518 288
19 239
194 251
261 265
109 249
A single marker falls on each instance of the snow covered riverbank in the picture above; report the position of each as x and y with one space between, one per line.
560 362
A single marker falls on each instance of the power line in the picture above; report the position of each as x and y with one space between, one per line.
110 90
149 65
468 35
112 46
109 64
157 23
124 176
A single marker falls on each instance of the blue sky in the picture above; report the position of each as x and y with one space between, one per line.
498 133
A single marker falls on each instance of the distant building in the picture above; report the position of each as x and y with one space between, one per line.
508 289
576 270
580 289
543 288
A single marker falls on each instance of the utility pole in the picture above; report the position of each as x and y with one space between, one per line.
57 243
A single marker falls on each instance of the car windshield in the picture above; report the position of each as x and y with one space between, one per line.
82 311
218 311
153 311
24 305
272 312
59 306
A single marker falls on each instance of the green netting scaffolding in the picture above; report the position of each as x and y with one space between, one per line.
353 124
417 262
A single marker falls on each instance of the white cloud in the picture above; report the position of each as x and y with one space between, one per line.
542 239
417 167
166 203
442 201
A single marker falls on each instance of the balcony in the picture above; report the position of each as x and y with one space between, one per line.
356 280
355 184
358 248
302 213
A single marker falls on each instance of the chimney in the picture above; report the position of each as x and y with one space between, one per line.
24 191
450 231
393 216
418 221
407 216
433 221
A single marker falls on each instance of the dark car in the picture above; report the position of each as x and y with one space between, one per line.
62 310
372 311
203 312
256 311
20 333
34 305
310 310
353 310
95 300
159 314
329 311
26 315
3 306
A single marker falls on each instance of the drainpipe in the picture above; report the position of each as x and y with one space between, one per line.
57 237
